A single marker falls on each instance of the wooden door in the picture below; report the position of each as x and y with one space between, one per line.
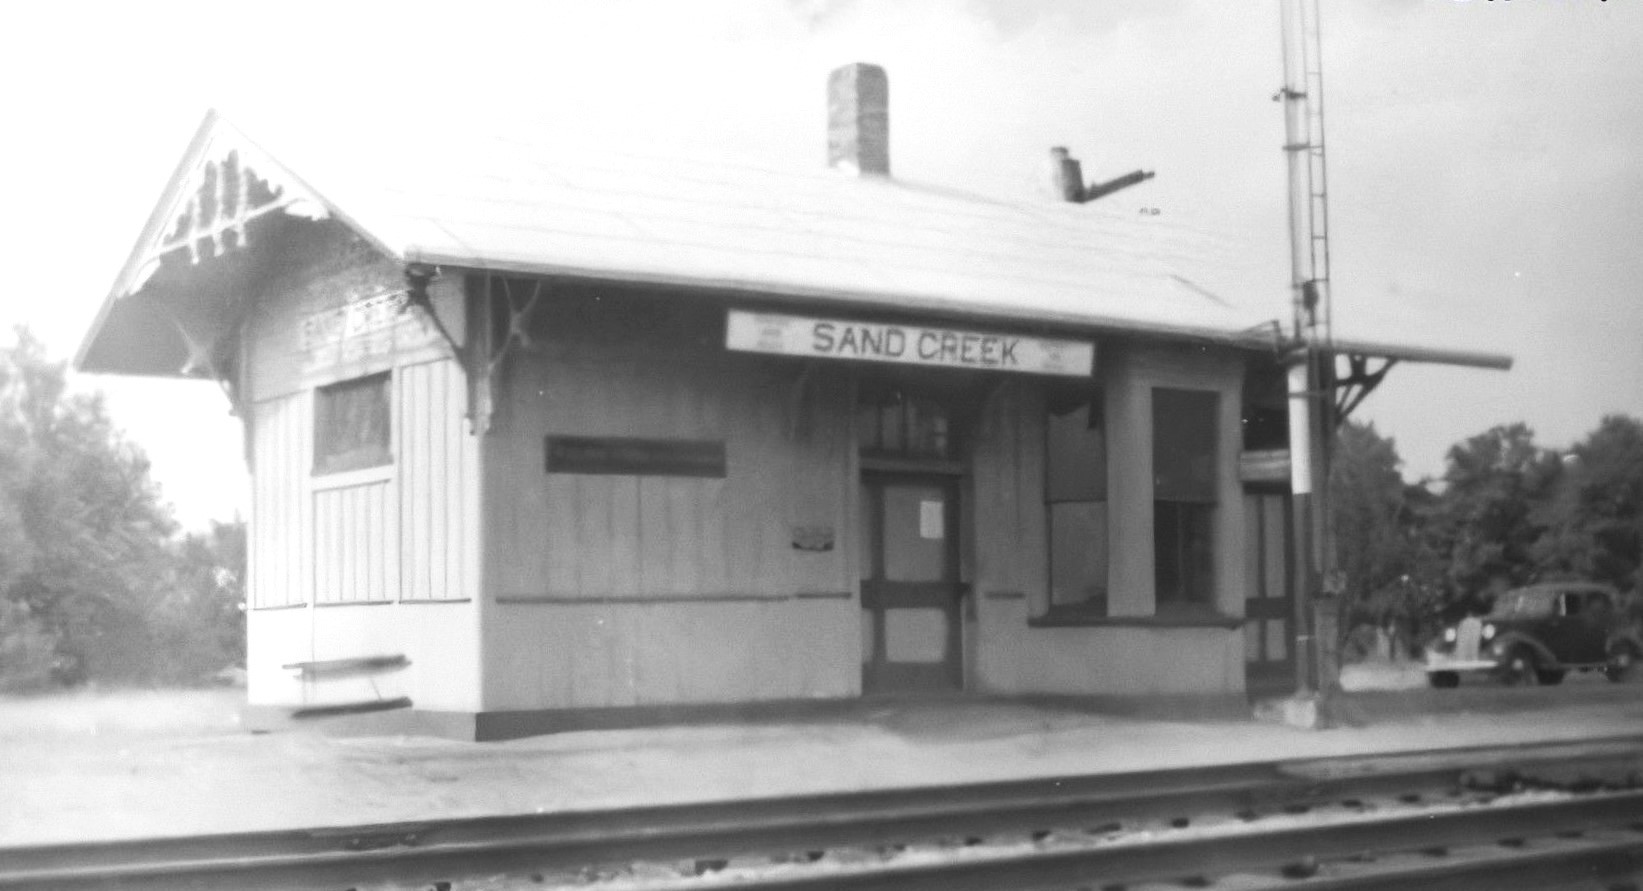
910 590
1269 591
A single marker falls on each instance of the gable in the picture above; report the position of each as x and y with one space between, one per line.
221 223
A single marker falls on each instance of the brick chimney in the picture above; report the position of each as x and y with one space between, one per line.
1066 176
858 120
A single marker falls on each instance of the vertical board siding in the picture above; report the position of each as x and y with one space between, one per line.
641 537
282 430
354 543
437 484
1008 488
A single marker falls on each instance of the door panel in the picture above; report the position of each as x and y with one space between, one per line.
915 539
915 635
1269 591
910 593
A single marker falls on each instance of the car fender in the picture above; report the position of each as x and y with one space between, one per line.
1625 636
1506 640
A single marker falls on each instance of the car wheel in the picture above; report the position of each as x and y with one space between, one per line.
1622 665
1519 670
1443 680
1550 676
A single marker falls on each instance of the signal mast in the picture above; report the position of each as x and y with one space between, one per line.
1311 402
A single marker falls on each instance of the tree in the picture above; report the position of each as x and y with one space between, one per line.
1491 511
83 532
1367 509
1392 576
202 621
1595 519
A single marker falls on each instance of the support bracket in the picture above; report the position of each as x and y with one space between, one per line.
417 278
1359 382
486 359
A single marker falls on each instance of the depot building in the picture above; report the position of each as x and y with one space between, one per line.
543 436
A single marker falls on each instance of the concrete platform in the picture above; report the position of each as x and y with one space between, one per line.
174 764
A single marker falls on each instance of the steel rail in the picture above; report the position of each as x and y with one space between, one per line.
332 857
1266 851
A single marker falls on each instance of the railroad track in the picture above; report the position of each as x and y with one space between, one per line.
1542 816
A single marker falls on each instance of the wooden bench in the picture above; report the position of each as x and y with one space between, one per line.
333 669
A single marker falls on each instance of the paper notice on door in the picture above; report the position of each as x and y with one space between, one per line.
932 519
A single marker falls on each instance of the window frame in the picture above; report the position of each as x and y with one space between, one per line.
327 461
926 425
1194 549
1095 602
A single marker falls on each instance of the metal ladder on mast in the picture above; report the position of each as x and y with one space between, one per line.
1303 96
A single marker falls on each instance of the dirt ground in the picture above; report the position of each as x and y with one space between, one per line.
136 764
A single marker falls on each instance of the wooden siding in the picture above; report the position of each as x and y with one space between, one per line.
441 640
323 271
1132 372
356 552
585 536
403 531
1103 661
1007 464
438 495
363 558
282 438
1011 561
589 655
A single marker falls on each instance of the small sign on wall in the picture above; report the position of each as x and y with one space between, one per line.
364 330
816 539
932 519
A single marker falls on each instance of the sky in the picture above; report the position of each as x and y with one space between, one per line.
1483 188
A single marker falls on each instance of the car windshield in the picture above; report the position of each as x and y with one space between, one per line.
1520 604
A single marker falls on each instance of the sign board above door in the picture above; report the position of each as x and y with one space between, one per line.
780 334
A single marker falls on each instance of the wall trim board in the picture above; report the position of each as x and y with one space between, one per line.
913 465
551 600
419 601
333 603
276 607
1055 619
501 725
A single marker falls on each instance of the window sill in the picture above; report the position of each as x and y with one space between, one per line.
892 464
345 479
1076 617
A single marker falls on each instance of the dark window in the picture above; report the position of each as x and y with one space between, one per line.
1075 492
351 425
896 424
1184 425
1182 532
1266 406
1523 604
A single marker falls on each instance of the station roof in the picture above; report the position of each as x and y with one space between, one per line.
813 236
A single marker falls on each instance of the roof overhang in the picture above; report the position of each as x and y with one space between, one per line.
181 291
224 213
813 297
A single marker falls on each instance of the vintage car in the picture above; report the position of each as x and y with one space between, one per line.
1537 634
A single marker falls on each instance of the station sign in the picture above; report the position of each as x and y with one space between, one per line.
813 338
